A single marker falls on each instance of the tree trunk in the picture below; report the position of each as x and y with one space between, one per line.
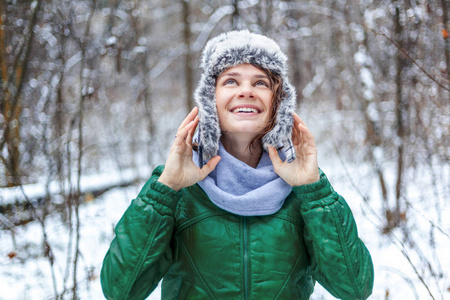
235 17
188 56
11 106
446 29
3 68
400 109
296 75
58 118
265 16
295 58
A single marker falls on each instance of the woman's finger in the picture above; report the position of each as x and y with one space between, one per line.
298 122
210 166
298 119
274 157
306 133
307 136
191 132
303 125
295 134
182 134
191 116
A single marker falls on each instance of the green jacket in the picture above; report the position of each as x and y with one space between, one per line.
204 252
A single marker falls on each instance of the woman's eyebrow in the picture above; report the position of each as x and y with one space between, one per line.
236 74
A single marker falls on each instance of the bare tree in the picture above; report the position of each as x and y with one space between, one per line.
445 34
188 74
12 84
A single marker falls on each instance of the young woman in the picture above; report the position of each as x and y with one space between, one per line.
241 209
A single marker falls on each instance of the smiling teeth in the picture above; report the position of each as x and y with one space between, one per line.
245 109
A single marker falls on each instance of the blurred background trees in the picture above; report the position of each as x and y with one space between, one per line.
99 86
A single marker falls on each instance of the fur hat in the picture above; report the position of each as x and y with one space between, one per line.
228 50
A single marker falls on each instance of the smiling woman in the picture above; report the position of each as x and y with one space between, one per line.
249 215
243 100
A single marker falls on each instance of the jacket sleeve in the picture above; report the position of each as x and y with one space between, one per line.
140 253
340 262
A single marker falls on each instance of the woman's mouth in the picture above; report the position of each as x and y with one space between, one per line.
245 110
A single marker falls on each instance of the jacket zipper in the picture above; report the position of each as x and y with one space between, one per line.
245 237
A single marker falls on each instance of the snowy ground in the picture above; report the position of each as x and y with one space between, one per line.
27 275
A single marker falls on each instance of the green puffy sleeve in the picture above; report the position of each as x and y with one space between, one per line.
340 261
140 252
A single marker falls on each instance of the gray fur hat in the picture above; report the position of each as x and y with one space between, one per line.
228 50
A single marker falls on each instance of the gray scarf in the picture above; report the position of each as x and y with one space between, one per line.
242 190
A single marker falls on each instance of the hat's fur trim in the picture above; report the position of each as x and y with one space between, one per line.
228 50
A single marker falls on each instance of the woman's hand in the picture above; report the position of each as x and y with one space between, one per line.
304 169
180 170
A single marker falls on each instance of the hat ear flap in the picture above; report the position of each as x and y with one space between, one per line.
208 126
282 131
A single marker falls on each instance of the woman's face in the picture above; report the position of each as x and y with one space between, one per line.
243 100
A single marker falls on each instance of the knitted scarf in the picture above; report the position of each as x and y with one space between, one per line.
242 190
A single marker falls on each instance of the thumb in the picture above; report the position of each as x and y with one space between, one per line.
274 157
210 166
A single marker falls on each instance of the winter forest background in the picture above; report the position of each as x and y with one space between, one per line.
92 93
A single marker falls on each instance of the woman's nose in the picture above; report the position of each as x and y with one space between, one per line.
246 92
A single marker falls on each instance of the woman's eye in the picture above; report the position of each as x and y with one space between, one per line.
261 83
229 81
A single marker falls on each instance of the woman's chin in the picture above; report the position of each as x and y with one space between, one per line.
247 131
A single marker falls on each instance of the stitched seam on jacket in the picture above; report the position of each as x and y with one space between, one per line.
290 220
148 244
194 267
197 219
186 293
288 278
350 269
161 208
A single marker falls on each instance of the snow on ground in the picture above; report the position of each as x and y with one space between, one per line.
393 255
28 275
87 183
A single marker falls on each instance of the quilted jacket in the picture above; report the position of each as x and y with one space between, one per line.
204 252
